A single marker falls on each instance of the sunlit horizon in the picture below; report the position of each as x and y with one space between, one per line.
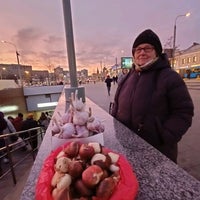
104 31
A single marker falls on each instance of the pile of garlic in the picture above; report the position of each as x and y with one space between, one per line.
77 122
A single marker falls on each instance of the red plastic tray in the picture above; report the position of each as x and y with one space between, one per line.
126 189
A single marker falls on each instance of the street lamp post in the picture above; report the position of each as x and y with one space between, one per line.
17 55
116 65
174 38
101 70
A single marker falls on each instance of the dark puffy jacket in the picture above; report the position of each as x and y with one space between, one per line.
28 124
156 105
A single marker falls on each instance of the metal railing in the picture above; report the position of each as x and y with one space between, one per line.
11 148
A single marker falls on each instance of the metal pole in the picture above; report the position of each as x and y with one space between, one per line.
70 42
18 67
116 65
174 46
174 39
101 70
71 56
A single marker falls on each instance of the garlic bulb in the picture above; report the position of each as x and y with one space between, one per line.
77 103
67 117
81 131
76 121
95 125
67 130
80 117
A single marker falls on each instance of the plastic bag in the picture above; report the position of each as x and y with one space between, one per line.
126 189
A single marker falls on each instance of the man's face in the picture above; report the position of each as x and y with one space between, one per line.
144 53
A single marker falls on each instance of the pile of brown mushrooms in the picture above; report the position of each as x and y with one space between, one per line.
85 171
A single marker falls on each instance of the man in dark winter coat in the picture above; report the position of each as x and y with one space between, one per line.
28 124
153 100
108 82
18 121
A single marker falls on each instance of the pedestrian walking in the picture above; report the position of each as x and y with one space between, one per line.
108 82
152 99
114 80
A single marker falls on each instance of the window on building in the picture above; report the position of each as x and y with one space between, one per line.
183 61
188 60
194 59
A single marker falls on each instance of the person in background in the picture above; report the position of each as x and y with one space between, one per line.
17 122
153 100
122 74
108 82
29 123
6 128
114 79
44 121
3 126
48 114
11 119
10 128
61 83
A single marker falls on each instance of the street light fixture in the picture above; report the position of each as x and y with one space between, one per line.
2 69
17 55
174 41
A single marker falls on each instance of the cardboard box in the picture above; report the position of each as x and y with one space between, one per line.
57 142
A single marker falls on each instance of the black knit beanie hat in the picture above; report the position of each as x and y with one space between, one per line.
148 36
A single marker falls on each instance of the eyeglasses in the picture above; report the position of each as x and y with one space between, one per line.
146 49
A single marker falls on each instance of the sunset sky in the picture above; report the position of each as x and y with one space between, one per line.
103 29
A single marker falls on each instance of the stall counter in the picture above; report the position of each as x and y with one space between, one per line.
159 178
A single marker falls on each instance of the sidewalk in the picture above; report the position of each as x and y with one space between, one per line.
189 147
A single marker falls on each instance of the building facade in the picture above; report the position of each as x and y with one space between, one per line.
15 72
187 59
38 77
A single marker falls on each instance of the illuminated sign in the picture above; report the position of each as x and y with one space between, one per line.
42 105
126 62
9 108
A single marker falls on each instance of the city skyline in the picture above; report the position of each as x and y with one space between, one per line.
104 30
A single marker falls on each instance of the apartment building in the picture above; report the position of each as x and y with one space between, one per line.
187 59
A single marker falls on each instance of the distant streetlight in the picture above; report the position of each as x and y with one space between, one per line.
17 55
2 69
174 41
